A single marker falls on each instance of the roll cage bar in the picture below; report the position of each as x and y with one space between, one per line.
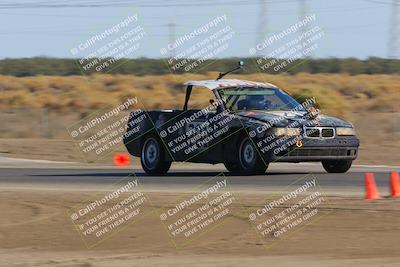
220 75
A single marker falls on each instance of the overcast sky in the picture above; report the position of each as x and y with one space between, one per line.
352 28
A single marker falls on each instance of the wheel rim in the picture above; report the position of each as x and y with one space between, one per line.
248 155
150 153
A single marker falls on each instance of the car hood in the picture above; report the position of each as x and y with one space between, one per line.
284 118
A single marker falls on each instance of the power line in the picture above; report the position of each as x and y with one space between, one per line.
98 4
125 3
378 2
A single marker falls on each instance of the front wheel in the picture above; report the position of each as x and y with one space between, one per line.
337 166
152 157
248 160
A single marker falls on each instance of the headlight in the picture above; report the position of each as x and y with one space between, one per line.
286 131
345 131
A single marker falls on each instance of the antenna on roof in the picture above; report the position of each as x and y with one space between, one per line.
222 74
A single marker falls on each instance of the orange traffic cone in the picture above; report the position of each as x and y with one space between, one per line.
121 159
371 191
394 184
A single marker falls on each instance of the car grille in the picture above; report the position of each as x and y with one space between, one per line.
321 152
319 132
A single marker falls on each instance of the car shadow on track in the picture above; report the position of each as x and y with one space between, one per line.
169 174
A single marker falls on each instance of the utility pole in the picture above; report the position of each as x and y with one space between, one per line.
303 12
262 23
394 34
171 38
303 9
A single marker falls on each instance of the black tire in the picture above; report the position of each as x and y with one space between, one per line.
232 167
337 166
152 155
248 159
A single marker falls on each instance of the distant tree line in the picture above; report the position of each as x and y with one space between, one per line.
145 66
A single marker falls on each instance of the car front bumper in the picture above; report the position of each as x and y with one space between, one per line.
338 148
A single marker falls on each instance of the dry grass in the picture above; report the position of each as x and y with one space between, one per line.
336 94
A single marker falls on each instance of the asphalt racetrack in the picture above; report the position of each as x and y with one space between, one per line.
183 177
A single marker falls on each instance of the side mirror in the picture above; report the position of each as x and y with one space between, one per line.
222 74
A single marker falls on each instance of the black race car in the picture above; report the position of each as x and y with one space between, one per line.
247 126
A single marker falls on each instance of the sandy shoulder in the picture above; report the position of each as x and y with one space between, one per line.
35 230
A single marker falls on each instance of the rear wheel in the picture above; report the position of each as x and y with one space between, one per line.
152 157
248 160
337 166
232 167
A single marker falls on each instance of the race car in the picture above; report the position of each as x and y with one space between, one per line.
246 127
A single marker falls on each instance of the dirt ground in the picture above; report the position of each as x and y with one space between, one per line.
36 230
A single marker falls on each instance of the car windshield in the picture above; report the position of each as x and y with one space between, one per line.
258 99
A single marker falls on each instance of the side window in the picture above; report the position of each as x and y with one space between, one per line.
200 98
273 101
238 101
